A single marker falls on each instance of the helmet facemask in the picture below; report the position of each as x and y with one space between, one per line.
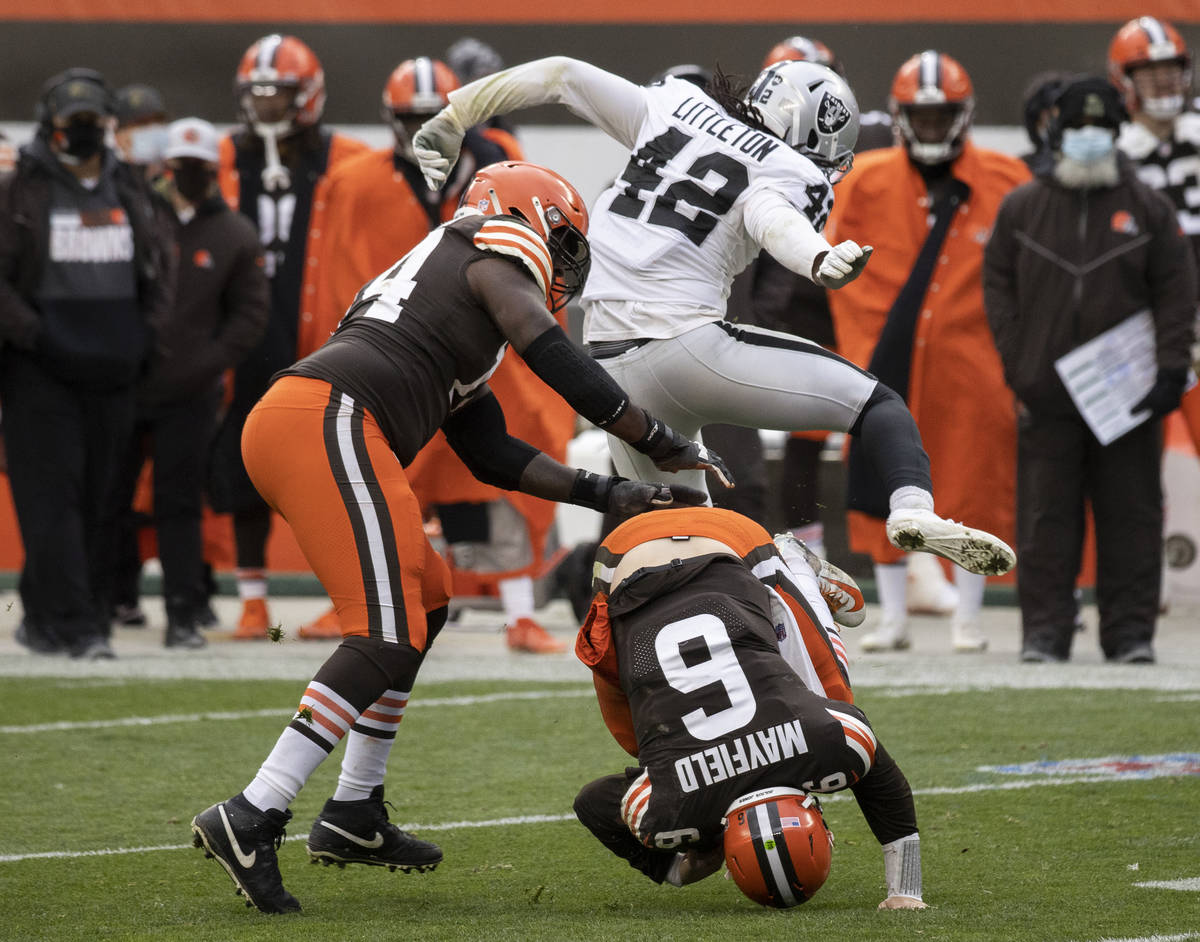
570 252
934 133
1161 87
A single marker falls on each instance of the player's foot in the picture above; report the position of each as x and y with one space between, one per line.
359 832
976 551
255 620
967 638
889 636
838 588
326 627
525 634
244 841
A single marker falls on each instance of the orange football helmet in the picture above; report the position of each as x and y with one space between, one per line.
803 49
932 103
280 81
777 847
550 205
418 86
1146 41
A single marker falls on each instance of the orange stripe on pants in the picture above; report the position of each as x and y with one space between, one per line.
284 447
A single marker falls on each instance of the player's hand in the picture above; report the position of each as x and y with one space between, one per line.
627 498
673 452
695 865
842 264
436 145
903 902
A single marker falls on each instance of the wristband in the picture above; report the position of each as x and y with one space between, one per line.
592 490
656 431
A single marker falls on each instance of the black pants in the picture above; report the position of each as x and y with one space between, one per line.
63 446
1060 466
176 437
598 808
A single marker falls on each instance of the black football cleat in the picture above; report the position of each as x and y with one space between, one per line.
244 841
359 832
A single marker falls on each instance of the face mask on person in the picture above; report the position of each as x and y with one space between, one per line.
1087 144
82 140
192 179
147 144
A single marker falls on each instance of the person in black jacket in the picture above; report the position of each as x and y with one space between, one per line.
85 279
219 314
1082 248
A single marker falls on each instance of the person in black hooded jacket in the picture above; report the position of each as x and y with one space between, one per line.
1075 252
86 272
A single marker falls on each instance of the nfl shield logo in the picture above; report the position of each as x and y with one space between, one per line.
832 114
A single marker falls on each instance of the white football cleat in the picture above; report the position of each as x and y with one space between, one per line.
838 588
889 636
967 638
923 531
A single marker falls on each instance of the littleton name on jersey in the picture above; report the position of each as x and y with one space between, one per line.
757 145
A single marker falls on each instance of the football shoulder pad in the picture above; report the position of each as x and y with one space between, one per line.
510 236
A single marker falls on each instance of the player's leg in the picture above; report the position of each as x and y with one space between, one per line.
598 807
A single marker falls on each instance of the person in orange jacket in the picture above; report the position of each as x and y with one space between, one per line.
270 170
372 209
916 320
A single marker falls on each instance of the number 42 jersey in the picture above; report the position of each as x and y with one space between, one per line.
671 228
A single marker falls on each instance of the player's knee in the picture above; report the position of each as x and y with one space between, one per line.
882 399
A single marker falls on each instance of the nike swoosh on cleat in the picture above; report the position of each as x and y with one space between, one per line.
377 841
246 860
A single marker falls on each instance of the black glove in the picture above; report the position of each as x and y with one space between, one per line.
612 494
671 451
627 498
1164 395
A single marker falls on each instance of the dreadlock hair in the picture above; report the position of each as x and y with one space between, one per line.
729 91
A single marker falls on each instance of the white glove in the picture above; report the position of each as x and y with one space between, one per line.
842 264
436 145
903 902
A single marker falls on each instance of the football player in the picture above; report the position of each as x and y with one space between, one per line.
711 179
1152 65
717 664
271 167
326 447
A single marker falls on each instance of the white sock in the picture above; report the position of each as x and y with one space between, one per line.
365 762
891 581
516 595
251 583
279 780
910 498
970 587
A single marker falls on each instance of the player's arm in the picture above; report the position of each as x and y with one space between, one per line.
792 240
607 101
518 307
886 801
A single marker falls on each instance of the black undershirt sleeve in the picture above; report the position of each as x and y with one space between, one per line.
885 799
575 376
479 436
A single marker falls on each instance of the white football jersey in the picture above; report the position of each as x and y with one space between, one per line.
669 233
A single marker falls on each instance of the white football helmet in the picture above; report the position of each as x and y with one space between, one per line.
812 109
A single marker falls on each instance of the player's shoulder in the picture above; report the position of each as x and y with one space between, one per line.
1187 129
510 237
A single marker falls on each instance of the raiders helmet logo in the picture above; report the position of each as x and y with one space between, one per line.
832 114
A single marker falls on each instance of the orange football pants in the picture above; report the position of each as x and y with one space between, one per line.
320 460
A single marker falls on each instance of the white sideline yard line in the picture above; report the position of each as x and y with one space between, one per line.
1181 937
1191 885
555 818
282 712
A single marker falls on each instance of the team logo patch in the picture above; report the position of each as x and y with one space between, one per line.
202 258
832 114
1123 221
1111 767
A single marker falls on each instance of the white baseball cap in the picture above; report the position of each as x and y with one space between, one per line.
193 137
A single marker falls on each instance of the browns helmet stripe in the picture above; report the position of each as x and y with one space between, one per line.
776 867
267 47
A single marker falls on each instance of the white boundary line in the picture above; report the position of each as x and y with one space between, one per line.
283 713
556 818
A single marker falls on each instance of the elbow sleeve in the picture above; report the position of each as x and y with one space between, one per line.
579 379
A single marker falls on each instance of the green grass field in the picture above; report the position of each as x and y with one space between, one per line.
96 845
